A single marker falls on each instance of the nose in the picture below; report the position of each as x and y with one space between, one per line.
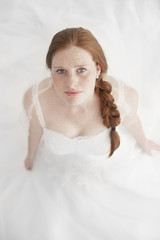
72 79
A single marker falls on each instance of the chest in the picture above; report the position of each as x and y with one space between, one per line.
82 123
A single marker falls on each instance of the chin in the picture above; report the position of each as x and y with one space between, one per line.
70 101
74 101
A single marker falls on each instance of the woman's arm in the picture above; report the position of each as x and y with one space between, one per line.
134 126
133 123
34 137
35 131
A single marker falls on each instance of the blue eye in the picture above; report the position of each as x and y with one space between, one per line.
60 71
81 70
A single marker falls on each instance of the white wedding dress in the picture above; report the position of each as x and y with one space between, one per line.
75 192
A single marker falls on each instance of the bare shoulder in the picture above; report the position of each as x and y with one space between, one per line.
130 95
131 99
27 98
129 92
113 81
115 86
44 83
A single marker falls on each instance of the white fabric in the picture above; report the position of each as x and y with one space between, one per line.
74 190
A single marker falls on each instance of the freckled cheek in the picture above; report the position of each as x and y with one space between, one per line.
58 83
88 76
88 84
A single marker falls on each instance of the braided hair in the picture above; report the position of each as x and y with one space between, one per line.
109 111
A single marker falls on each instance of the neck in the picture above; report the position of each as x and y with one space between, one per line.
82 108
74 110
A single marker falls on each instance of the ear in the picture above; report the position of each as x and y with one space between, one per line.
98 67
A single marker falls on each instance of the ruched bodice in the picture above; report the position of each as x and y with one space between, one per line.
60 144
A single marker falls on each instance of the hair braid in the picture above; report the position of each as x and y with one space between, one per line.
109 111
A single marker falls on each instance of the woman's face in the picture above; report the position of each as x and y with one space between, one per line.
74 75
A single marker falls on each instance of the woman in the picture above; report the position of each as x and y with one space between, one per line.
80 95
72 191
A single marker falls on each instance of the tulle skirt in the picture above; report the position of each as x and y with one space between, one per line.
122 202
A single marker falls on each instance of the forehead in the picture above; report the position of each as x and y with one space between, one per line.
72 55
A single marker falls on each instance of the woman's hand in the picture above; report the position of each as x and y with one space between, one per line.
150 146
28 163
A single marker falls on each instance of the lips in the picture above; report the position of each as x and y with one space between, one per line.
72 93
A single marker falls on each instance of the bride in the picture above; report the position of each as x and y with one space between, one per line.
81 185
79 94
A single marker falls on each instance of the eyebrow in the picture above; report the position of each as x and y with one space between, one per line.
81 65
57 67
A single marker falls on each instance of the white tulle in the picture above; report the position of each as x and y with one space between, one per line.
75 192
